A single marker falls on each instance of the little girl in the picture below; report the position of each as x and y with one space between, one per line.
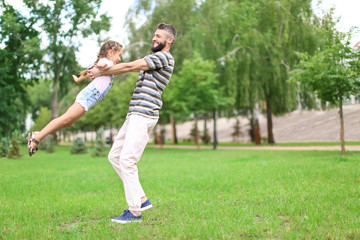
110 53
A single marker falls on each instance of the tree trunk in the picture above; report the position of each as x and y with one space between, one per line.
197 142
111 135
215 137
257 134
252 131
54 105
173 130
342 138
271 139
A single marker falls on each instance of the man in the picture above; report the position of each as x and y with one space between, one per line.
155 72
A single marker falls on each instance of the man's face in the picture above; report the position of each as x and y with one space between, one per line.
159 40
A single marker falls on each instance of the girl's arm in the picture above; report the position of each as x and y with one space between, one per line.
83 76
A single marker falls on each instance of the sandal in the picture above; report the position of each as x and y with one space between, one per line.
31 150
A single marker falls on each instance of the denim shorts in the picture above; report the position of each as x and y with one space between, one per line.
90 96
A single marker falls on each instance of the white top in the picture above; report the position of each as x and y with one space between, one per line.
102 82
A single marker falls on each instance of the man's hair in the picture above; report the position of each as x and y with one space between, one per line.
169 28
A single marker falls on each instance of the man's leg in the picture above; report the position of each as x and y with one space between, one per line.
114 155
136 138
115 151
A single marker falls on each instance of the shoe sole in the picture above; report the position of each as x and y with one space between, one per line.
146 208
125 222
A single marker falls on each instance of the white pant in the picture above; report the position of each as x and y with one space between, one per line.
126 151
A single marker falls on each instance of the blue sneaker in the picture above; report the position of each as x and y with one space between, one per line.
146 205
127 217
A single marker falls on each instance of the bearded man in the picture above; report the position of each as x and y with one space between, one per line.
155 72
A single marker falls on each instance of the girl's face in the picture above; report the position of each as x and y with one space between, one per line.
115 56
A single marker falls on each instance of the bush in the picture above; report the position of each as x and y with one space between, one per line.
78 147
205 138
47 144
4 147
237 131
14 149
99 145
194 132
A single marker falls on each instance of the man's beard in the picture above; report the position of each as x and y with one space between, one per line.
158 48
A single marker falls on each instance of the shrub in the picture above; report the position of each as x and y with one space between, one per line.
14 149
237 131
47 144
78 147
99 145
4 147
205 138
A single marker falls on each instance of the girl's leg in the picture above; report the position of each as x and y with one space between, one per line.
74 113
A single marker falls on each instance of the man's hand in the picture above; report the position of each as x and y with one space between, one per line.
102 66
93 73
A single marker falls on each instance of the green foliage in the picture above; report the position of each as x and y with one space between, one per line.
4 146
333 71
42 120
47 144
64 24
195 88
205 137
237 131
39 96
78 147
99 145
194 132
20 59
14 149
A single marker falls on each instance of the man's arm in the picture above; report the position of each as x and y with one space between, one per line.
134 66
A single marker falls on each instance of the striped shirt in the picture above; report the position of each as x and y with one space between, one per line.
146 99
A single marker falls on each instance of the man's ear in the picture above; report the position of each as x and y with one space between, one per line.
170 40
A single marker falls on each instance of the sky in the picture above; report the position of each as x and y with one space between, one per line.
347 10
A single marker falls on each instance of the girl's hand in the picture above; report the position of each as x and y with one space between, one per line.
93 73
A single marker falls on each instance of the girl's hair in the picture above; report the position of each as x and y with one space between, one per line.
108 45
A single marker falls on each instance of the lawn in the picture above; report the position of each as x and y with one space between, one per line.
222 194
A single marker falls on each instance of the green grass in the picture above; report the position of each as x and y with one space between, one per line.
196 195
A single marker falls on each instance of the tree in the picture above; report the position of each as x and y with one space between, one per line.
195 88
20 58
44 117
65 23
332 72
39 96
289 28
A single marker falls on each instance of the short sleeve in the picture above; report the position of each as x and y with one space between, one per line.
157 60
106 61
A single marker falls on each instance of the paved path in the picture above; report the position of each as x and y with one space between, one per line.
279 148
282 148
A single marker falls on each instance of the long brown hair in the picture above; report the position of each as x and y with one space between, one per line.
105 48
